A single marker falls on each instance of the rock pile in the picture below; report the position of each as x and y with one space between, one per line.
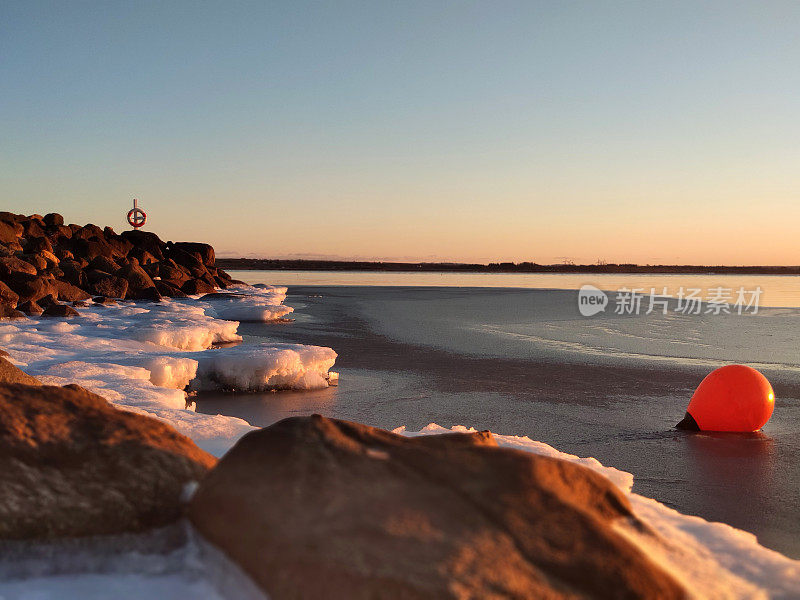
44 263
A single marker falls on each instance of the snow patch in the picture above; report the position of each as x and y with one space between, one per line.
245 303
264 367
171 371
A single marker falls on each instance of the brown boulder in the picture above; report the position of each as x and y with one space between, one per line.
60 310
52 259
94 275
320 508
72 465
190 262
30 308
110 286
205 252
9 232
73 272
62 231
86 232
151 269
7 295
197 286
104 263
7 312
35 245
14 247
169 291
10 373
30 287
136 277
119 246
53 220
146 240
13 264
70 293
91 248
143 256
33 226
209 280
169 271
47 300
39 262
150 293
62 253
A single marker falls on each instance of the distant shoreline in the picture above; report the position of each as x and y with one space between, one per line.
259 264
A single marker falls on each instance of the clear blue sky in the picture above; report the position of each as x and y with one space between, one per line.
624 131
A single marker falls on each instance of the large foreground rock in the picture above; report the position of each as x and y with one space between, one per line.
319 508
73 465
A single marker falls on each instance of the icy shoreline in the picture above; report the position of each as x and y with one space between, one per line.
141 357
144 356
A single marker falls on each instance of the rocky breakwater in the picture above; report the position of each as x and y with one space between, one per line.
46 265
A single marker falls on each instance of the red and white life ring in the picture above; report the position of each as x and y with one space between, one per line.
136 217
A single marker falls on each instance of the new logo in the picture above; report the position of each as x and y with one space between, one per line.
591 300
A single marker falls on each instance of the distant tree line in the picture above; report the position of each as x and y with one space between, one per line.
267 264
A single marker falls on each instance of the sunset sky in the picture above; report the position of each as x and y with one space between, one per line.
651 132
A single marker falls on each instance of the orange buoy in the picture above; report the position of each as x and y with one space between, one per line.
731 398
